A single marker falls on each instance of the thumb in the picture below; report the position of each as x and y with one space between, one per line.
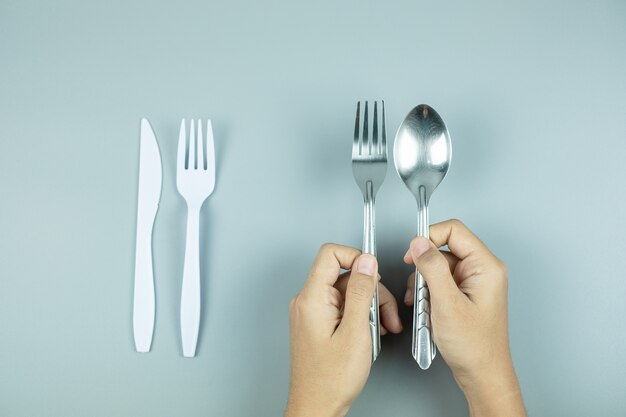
434 268
359 292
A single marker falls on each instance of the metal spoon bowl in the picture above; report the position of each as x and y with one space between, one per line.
422 150
422 154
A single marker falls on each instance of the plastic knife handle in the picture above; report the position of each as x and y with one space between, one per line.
143 304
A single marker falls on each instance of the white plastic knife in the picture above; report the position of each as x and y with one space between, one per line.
149 193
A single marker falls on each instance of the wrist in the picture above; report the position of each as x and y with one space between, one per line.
493 391
311 407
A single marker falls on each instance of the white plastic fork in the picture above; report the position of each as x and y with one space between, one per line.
195 180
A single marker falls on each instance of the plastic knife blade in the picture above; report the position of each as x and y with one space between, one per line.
149 193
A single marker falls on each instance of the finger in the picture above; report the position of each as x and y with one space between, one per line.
359 293
459 239
434 268
452 259
342 282
410 287
331 258
388 309
410 284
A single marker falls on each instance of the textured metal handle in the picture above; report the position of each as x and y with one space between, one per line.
424 349
375 326
369 246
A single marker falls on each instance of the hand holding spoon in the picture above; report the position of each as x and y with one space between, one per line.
422 154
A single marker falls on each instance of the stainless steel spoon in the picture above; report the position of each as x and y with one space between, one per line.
422 154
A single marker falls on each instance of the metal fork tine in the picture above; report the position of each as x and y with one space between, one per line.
182 147
375 130
193 162
200 155
384 132
366 141
355 143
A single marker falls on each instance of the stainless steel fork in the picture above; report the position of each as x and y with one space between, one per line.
369 165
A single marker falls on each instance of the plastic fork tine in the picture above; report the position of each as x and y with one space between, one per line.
200 153
355 144
375 129
384 132
210 150
192 160
182 146
366 141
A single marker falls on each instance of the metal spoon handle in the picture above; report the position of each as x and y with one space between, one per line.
424 349
369 246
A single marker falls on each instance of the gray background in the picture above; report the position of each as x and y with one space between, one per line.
534 95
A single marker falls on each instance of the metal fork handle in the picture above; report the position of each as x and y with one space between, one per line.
369 246
424 349
190 295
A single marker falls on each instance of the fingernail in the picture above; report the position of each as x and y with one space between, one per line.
408 252
419 246
366 264
408 295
